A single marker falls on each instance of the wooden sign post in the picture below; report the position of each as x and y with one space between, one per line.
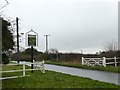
32 39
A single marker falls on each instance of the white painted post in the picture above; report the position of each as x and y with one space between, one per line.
33 64
82 60
43 71
104 61
24 69
115 61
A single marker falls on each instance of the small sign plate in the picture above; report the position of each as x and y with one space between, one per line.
32 40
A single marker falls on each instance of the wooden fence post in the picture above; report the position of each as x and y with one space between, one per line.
82 60
43 71
24 69
104 61
115 61
34 64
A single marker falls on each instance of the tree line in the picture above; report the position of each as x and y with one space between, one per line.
39 56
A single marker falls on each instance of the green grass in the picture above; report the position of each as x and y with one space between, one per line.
17 67
101 68
51 79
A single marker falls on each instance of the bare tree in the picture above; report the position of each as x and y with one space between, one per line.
111 46
54 51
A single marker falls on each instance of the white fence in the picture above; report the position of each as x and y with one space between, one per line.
37 66
99 61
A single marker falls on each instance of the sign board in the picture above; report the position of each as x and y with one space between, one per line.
32 40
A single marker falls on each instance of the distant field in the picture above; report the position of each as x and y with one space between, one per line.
50 80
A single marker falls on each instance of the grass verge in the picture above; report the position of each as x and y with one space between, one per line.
101 68
51 79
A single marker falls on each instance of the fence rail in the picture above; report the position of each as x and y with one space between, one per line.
37 66
100 61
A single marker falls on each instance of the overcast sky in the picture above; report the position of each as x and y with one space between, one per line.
73 25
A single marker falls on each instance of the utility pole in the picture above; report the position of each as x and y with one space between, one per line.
17 37
46 36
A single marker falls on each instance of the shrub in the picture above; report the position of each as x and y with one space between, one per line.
5 58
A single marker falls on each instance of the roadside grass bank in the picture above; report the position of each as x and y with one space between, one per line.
51 79
76 65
